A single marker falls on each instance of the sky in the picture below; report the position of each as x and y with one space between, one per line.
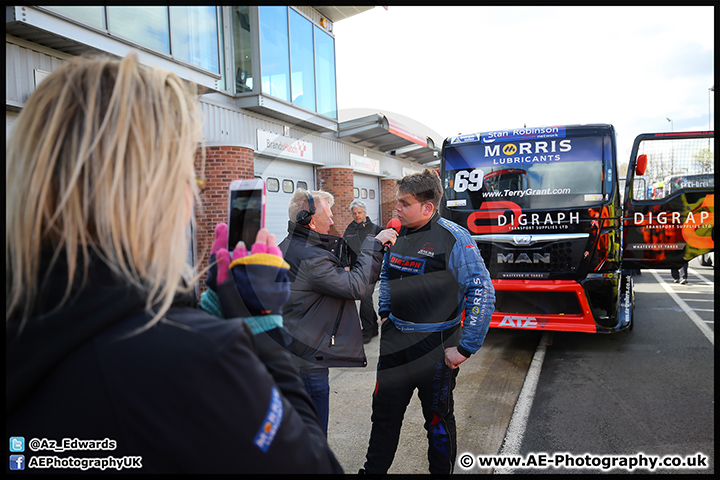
443 71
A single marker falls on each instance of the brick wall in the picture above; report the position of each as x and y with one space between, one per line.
222 166
338 181
388 189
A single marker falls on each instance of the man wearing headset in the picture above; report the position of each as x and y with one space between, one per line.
321 317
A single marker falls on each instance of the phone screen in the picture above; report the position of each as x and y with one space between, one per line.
246 210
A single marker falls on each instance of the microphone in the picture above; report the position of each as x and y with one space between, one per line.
395 224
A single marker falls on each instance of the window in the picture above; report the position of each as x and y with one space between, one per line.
302 79
297 60
568 171
363 193
302 185
272 184
94 16
147 26
195 36
189 34
674 165
356 192
325 73
288 186
274 52
371 195
243 50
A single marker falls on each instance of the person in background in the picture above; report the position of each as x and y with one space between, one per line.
706 260
354 235
104 340
679 275
321 317
431 276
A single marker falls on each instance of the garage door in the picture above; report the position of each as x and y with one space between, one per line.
10 119
282 178
367 189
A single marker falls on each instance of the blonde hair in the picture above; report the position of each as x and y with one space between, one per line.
98 162
299 201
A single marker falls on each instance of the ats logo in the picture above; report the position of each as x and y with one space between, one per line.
520 322
427 250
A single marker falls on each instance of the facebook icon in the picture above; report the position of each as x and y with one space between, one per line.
17 462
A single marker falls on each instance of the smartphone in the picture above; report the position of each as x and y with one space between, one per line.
246 211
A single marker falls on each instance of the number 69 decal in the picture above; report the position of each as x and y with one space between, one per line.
465 180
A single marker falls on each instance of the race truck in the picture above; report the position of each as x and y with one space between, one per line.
559 237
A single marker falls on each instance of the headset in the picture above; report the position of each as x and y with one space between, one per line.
304 217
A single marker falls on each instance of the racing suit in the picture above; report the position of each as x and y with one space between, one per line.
431 276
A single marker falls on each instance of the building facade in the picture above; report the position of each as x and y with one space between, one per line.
270 102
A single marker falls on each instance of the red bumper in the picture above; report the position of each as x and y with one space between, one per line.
584 322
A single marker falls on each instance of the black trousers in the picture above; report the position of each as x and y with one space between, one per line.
368 317
680 273
410 361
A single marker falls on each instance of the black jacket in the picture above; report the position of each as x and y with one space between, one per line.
192 394
321 316
355 234
431 276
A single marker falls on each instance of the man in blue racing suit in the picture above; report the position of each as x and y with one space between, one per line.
432 275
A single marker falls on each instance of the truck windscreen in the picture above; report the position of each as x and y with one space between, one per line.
537 173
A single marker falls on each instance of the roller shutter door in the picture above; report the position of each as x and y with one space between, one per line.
367 190
282 178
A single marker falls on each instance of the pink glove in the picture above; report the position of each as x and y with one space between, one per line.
260 282
219 248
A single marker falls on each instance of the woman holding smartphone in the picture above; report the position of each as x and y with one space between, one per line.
103 341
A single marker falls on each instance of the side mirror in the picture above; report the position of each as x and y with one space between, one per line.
641 165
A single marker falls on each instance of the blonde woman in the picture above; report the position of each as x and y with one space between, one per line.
103 342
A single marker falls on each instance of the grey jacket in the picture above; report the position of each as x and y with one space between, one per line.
321 317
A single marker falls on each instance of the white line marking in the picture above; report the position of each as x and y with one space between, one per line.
688 311
518 422
697 274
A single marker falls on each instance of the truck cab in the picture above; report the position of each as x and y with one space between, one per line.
558 236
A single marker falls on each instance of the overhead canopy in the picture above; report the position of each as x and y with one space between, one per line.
382 133
335 14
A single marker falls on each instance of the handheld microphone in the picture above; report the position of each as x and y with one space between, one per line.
395 224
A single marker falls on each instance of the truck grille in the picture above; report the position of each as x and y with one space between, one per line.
559 255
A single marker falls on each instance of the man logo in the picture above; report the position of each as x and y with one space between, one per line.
523 258
522 239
